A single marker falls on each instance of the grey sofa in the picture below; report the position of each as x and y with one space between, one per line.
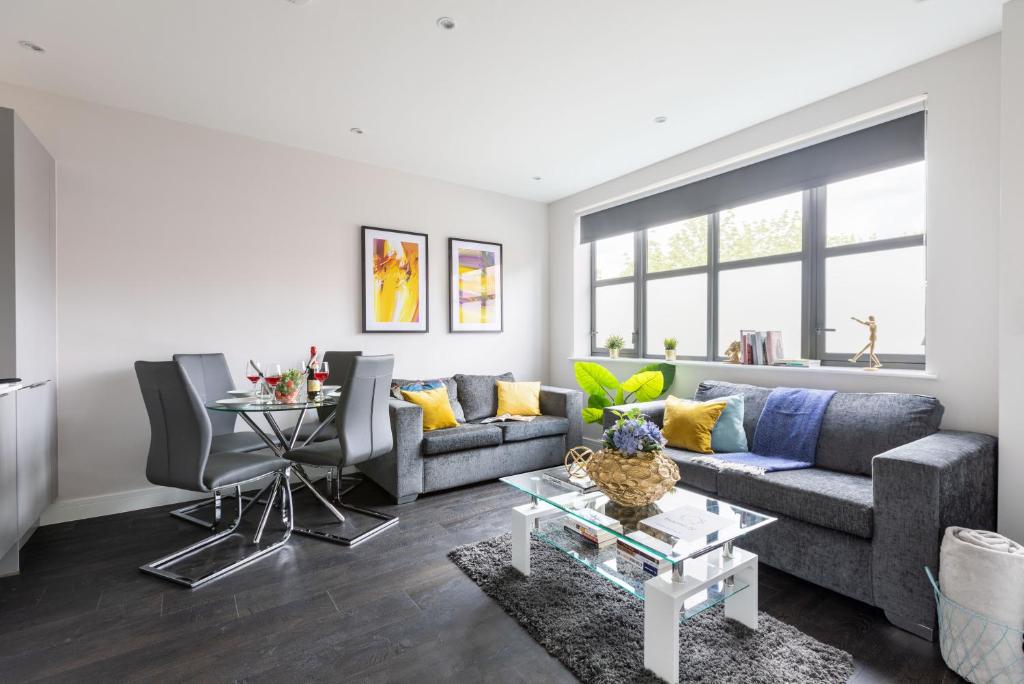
870 516
472 452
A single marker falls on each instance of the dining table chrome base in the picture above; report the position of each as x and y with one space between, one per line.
161 567
213 519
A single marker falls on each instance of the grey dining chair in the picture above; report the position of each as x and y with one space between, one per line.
211 378
180 456
364 432
339 363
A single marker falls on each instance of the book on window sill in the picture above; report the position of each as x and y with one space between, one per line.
798 363
508 416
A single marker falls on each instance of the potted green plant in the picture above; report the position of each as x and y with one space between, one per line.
670 348
613 344
287 388
604 389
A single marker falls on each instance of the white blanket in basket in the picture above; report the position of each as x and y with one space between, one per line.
983 572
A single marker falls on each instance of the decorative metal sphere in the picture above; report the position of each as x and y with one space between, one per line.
576 460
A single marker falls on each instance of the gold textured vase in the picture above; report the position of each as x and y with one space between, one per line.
633 480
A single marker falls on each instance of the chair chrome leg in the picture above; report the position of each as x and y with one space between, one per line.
160 569
388 520
300 473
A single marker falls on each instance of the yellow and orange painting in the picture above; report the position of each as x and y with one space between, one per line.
396 281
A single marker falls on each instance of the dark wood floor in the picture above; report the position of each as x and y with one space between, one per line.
393 609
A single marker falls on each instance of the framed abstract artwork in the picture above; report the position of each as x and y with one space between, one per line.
394 281
476 294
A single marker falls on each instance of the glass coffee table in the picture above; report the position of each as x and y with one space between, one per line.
677 554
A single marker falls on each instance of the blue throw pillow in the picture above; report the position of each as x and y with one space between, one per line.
728 435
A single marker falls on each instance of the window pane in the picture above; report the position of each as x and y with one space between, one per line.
877 206
760 298
774 226
614 257
677 307
614 313
888 285
683 244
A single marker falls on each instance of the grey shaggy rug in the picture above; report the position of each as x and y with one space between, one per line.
596 629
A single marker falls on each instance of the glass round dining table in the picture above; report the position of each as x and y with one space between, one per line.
283 444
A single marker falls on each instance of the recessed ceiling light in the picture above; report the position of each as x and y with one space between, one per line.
660 119
29 45
446 23
357 131
536 178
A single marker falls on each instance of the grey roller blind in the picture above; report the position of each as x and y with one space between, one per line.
893 143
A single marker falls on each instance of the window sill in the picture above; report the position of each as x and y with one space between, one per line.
820 370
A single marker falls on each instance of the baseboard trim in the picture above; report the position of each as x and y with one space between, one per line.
67 510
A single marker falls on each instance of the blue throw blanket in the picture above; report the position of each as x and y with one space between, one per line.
786 437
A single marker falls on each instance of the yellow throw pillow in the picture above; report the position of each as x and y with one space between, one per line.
688 424
518 398
437 410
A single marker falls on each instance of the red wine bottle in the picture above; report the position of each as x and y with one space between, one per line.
313 386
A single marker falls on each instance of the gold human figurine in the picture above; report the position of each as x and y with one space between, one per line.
732 352
873 362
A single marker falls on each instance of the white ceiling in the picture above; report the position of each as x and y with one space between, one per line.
563 89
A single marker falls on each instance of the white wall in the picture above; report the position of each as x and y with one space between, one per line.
174 238
1011 277
963 185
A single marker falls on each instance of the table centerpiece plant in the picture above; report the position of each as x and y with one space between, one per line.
632 469
287 389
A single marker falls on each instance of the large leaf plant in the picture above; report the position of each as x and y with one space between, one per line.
604 389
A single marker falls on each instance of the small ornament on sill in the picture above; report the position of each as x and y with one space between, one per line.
732 352
872 326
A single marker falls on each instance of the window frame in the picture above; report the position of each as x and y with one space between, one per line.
813 255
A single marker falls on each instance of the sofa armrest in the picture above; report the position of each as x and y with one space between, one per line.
400 471
655 410
947 478
568 403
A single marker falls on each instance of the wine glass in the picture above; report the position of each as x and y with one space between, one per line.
252 374
273 376
322 372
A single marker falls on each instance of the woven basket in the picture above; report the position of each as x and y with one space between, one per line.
633 480
975 647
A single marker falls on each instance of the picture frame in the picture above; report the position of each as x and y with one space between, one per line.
476 289
396 291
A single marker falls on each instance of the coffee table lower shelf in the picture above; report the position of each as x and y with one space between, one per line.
605 563
705 581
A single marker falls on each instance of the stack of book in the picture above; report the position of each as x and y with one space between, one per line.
629 557
591 530
760 347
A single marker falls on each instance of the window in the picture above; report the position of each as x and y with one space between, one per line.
803 263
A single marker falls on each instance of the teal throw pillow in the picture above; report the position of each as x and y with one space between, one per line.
728 435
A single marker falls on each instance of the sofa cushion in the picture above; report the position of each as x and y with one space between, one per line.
694 475
838 501
449 383
466 436
478 394
753 400
856 427
540 426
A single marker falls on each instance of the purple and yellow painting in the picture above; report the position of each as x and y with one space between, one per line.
478 283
